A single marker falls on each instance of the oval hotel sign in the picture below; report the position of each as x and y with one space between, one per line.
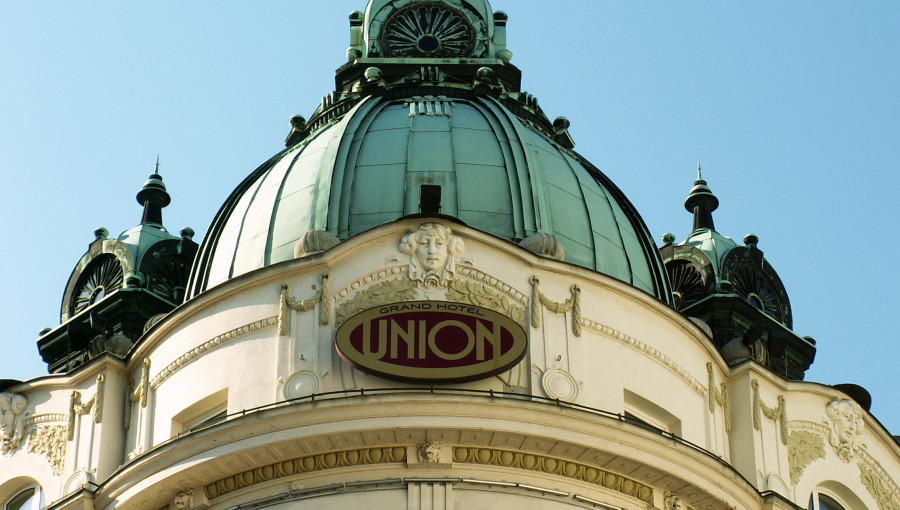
433 341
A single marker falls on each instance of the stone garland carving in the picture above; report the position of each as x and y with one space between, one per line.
367 280
573 304
139 394
12 421
878 488
307 464
778 414
50 441
845 425
803 448
471 292
79 408
648 351
503 288
211 344
480 294
554 466
289 303
718 396
385 292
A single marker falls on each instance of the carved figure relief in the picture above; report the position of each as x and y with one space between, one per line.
429 453
673 502
434 270
432 249
12 421
183 500
846 425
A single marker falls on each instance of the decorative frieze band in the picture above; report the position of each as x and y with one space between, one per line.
463 455
307 464
554 466
648 351
214 343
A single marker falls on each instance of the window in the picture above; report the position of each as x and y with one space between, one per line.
640 409
207 411
819 501
28 499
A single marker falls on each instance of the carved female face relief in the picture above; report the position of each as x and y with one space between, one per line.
432 252
431 249
11 420
846 426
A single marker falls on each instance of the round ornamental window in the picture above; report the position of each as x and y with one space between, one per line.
757 290
427 30
100 278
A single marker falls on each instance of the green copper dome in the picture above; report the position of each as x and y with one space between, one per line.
454 137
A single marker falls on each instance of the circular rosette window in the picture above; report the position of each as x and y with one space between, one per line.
427 30
103 276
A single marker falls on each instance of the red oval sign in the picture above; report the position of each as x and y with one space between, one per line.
434 341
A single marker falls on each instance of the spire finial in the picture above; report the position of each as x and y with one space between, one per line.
153 196
701 202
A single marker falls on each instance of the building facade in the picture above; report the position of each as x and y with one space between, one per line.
429 300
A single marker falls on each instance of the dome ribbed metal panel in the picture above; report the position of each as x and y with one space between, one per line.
496 174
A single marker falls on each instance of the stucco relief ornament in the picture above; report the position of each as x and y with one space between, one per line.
432 250
429 453
183 500
12 421
673 502
846 425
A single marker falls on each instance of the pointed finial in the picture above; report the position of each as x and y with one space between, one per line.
702 203
154 197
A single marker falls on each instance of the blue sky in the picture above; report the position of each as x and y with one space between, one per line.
793 109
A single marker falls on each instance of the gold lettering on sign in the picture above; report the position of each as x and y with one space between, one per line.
434 340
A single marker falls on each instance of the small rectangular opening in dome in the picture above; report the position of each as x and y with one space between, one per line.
429 199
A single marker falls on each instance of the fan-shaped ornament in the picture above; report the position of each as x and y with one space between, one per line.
755 288
102 276
427 30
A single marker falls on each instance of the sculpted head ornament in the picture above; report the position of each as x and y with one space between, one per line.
12 420
432 249
846 424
